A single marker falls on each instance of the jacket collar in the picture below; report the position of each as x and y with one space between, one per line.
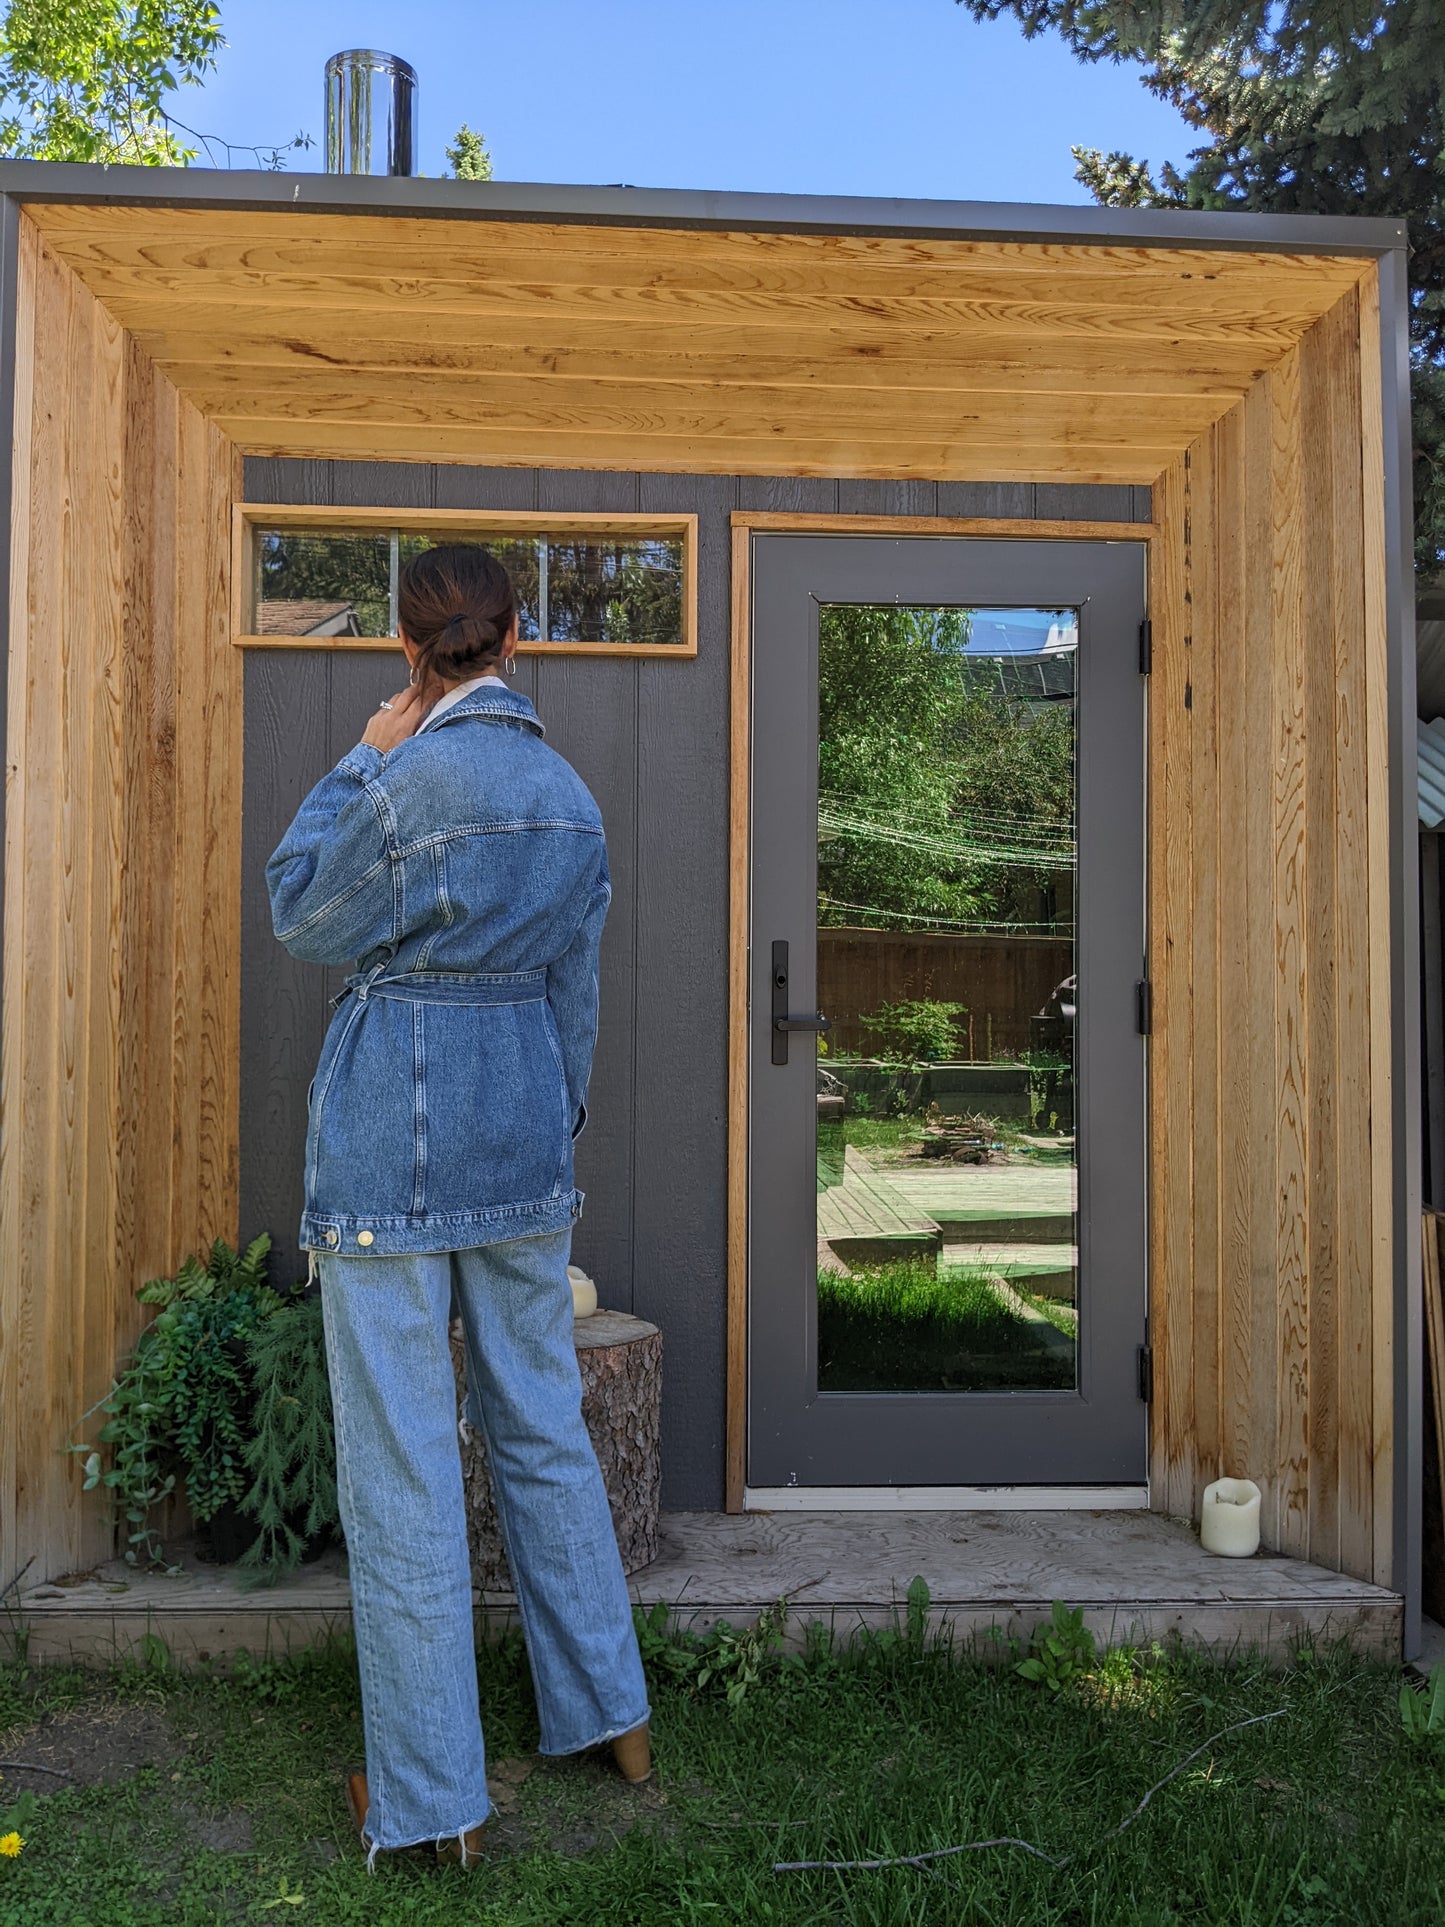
510 704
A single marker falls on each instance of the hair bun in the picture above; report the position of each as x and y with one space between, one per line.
486 631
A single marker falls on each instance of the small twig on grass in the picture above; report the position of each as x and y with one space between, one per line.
1239 1725
34 1766
923 1860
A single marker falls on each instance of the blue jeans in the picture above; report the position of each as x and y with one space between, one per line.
399 1485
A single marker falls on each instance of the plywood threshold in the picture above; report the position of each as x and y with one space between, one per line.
1137 1578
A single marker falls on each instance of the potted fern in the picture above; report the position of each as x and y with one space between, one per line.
225 1393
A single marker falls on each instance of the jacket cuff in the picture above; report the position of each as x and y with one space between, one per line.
363 762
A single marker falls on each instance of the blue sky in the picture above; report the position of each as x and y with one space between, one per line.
908 97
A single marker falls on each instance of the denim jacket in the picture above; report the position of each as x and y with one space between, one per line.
465 872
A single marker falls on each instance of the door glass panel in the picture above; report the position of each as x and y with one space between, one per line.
947 866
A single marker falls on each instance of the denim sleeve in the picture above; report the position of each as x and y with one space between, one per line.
572 993
332 890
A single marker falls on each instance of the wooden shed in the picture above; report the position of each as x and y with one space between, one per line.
1133 487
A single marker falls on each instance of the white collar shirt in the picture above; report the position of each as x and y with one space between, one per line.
454 696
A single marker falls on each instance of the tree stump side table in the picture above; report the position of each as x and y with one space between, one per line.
620 1358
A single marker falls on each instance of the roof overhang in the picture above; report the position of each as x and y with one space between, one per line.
620 328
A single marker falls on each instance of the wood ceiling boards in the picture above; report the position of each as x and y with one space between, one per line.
572 346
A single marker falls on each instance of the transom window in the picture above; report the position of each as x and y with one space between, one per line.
586 584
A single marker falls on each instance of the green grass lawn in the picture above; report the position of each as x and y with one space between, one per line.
882 1134
914 1326
218 1799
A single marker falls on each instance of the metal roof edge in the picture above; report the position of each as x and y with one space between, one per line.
623 206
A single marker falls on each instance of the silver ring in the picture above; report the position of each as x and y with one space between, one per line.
386 705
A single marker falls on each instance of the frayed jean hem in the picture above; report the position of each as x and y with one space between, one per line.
374 1846
600 1739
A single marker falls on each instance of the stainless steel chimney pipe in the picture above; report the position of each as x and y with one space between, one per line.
370 113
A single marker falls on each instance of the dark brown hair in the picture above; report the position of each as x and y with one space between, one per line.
457 604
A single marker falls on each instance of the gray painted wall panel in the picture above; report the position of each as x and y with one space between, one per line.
400 485
864 497
284 478
283 1003
651 740
486 488
1013 500
1083 501
589 705
679 1200
794 494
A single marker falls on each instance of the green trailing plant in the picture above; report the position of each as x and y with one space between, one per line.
291 1453
207 1399
224 1272
1060 1652
919 1028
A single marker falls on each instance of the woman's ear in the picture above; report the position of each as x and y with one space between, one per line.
412 653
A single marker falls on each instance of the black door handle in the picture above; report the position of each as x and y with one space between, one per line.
782 1022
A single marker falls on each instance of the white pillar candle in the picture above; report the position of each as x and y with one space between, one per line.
584 1292
1229 1520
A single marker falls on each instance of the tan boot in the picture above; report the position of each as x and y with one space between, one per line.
466 1851
633 1754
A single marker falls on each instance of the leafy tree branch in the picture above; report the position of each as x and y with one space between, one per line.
84 80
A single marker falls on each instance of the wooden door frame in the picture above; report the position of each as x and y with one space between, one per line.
745 524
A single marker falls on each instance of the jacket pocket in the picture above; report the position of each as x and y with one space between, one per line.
495 1106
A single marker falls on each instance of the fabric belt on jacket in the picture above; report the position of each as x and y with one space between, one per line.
448 987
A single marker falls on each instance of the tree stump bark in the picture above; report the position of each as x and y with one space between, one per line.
620 1358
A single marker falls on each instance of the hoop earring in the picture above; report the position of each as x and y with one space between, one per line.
509 665
411 676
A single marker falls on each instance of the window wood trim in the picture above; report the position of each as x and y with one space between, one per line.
250 516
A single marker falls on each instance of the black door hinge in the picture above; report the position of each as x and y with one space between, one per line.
1144 1007
1146 646
1146 1373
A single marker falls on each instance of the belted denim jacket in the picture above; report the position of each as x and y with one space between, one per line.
465 872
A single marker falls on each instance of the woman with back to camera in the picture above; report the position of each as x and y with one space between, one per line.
461 863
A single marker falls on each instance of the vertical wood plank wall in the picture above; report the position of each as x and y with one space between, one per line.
120 1026
1271 1241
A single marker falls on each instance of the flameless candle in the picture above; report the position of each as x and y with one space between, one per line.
1229 1520
584 1292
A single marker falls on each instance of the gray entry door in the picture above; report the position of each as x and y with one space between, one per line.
946 1186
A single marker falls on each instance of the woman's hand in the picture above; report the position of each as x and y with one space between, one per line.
400 716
